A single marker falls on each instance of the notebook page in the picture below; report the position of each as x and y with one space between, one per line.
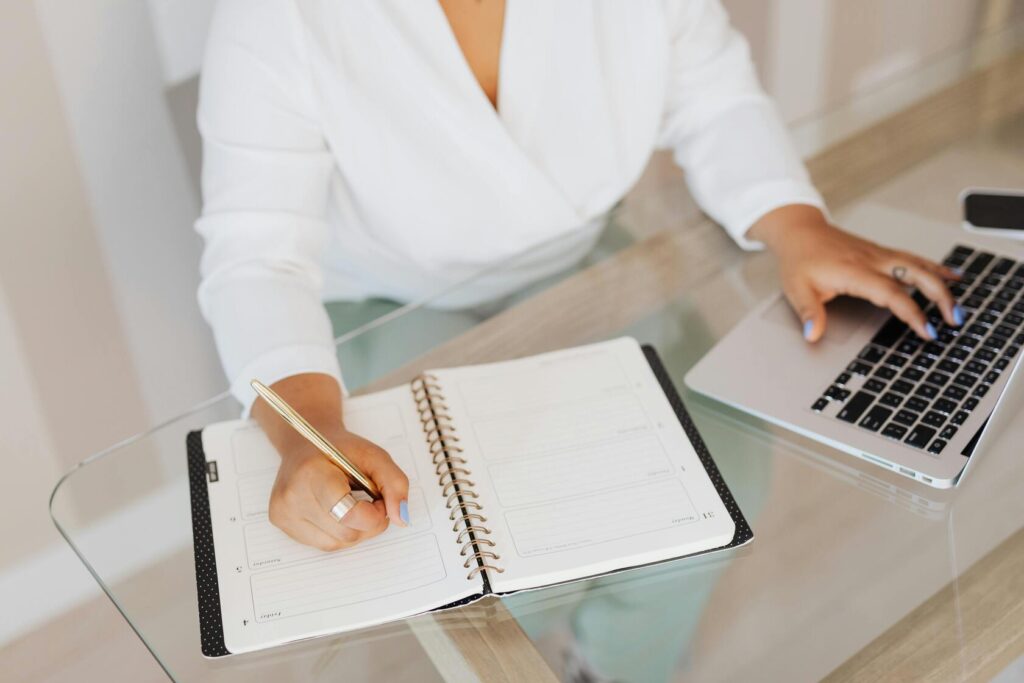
581 465
274 590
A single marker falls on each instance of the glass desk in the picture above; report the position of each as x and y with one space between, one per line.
854 572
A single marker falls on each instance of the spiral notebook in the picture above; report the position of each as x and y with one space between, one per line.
523 474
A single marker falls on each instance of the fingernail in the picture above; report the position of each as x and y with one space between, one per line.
403 511
930 329
957 271
808 326
958 314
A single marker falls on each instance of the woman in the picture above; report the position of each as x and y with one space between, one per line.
383 149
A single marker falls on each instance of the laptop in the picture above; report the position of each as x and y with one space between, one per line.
871 387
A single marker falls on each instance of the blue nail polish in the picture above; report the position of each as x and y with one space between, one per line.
808 326
958 271
403 511
930 329
958 314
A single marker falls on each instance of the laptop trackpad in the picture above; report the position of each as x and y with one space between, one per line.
845 315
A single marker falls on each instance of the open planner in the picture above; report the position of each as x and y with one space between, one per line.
523 474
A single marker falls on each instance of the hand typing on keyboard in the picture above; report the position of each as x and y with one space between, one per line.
922 392
818 262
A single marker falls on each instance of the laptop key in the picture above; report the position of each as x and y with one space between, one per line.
890 332
891 399
896 360
885 373
959 417
949 366
981 292
923 361
937 446
909 345
971 404
939 378
843 379
996 343
920 436
917 404
944 405
954 392
1014 319
894 431
1004 331
984 355
902 386
859 368
856 406
927 390
972 302
991 377
987 319
933 419
962 251
1011 351
905 417
872 354
820 405
1002 363
967 341
958 354
965 380
1003 266
875 386
836 393
996 306
875 418
979 263
980 390
912 374
948 433
975 368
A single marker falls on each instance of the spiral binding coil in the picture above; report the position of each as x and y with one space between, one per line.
453 475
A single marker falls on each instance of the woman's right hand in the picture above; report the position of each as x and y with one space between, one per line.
308 485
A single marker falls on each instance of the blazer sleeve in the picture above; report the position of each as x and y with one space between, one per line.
724 130
265 181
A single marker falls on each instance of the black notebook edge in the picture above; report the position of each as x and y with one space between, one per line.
211 627
743 533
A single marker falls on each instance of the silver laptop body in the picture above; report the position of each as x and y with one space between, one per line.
764 367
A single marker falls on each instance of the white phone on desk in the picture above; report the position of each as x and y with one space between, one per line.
991 211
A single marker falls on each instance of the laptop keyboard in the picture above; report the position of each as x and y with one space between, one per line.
920 392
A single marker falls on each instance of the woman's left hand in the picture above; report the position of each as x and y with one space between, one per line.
818 262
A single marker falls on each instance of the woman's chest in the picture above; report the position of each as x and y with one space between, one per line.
580 91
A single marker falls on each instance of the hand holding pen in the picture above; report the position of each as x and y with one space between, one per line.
321 462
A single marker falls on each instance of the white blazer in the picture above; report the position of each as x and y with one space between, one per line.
349 152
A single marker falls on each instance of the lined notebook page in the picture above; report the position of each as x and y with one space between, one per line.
274 590
581 465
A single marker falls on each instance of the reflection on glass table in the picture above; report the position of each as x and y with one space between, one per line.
846 558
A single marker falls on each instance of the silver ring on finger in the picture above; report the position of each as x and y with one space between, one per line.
342 507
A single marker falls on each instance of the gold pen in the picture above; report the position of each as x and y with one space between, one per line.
314 437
